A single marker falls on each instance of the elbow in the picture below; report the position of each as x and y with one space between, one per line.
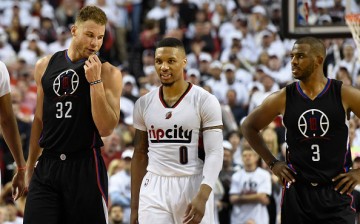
265 199
233 199
244 126
105 132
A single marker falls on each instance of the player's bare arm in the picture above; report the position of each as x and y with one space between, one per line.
105 90
9 127
262 116
351 102
138 170
36 129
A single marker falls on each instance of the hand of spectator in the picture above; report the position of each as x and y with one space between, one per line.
18 184
347 181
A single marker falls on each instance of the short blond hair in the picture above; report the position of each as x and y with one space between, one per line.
93 13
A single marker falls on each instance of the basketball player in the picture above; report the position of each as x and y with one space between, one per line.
10 132
317 182
170 181
78 101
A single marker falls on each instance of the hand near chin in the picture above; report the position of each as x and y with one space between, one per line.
92 68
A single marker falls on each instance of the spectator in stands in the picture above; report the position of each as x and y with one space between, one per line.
119 185
116 214
250 190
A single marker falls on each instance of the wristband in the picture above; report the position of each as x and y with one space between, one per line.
272 164
21 168
95 82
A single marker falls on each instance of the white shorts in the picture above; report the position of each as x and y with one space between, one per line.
163 200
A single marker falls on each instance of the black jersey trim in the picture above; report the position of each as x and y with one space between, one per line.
70 61
161 96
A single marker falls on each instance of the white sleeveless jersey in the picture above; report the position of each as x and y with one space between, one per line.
4 80
173 132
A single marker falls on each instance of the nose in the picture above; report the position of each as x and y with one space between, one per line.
164 66
94 42
294 61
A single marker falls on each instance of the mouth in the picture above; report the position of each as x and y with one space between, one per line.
295 70
165 76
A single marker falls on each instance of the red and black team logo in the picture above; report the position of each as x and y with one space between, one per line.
168 115
66 83
313 123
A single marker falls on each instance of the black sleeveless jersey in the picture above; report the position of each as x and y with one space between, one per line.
67 119
316 132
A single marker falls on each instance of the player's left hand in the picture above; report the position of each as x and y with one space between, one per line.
18 185
92 68
347 181
195 211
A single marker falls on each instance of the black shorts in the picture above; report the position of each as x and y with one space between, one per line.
304 203
68 189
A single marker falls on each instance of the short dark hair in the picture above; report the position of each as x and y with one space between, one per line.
171 42
93 13
317 45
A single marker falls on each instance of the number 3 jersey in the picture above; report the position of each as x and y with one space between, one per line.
68 125
316 132
173 132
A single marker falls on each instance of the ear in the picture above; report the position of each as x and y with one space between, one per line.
73 30
320 60
185 62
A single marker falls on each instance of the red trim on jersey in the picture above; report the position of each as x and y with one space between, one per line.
161 96
98 177
352 202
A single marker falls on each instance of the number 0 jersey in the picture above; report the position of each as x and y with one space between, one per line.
316 132
68 125
173 132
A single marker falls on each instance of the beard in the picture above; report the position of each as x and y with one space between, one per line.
167 84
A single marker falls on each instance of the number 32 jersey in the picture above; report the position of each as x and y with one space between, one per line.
68 125
173 132
316 132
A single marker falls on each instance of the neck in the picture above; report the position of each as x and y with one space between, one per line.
175 90
172 94
313 86
73 54
250 168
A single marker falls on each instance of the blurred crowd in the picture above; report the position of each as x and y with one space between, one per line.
235 50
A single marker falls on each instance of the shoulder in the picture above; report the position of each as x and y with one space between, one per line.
111 76
2 66
262 172
43 62
41 66
110 69
202 93
148 96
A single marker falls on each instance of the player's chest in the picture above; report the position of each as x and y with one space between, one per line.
185 115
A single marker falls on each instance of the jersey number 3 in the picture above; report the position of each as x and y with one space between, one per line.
63 109
316 152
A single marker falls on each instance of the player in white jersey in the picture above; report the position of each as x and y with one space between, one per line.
172 179
11 133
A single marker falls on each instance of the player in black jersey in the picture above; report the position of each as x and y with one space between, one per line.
78 102
316 176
